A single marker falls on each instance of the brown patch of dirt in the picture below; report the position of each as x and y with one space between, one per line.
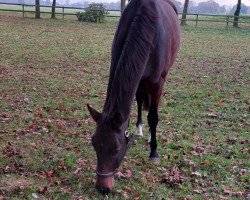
11 184
2 16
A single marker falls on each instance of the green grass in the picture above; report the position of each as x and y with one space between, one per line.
50 70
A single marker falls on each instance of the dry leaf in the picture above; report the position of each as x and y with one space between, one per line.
127 188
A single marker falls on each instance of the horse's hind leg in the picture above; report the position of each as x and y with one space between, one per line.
139 99
154 95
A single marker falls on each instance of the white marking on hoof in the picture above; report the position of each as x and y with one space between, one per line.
139 130
149 138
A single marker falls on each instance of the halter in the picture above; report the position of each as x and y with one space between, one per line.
126 134
106 175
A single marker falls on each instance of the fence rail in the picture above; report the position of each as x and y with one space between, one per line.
62 10
216 18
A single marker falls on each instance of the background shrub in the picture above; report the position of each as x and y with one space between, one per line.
95 12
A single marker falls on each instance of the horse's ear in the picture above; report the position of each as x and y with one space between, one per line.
95 114
116 119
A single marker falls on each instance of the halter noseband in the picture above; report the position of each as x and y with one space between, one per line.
126 134
106 175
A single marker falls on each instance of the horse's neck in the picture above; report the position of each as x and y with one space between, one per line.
119 99
129 63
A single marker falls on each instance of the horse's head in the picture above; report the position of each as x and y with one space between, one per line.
110 142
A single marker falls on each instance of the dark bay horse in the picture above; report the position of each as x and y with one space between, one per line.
144 48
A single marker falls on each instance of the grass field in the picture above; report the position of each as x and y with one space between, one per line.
50 70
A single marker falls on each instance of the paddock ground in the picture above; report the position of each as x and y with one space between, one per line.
50 70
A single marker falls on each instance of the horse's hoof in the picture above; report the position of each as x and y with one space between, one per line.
139 132
154 157
138 136
155 160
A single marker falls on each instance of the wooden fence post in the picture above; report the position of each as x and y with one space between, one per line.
227 21
23 10
63 12
196 24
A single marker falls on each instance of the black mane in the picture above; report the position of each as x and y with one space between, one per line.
128 63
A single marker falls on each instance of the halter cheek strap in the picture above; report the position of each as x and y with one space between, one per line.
126 133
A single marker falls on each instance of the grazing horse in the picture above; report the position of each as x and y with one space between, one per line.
144 48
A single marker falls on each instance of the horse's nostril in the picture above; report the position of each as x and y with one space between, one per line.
104 191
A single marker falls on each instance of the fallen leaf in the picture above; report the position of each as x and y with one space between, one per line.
136 196
66 190
124 194
65 182
198 191
243 171
49 173
124 175
128 173
212 115
11 150
93 167
39 113
174 177
78 169
35 196
127 188
43 190
120 175
62 166
232 193
196 174
221 102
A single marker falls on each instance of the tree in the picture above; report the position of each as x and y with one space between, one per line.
244 9
192 7
37 16
178 5
209 7
53 11
184 14
47 2
237 14
67 3
123 2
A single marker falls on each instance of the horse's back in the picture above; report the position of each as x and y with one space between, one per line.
167 41
150 29
171 33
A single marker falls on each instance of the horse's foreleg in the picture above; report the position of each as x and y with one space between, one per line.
153 121
154 95
139 99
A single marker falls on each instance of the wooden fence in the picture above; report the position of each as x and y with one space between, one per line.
226 19
60 10
64 11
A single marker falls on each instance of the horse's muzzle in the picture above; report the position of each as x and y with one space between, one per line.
105 184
